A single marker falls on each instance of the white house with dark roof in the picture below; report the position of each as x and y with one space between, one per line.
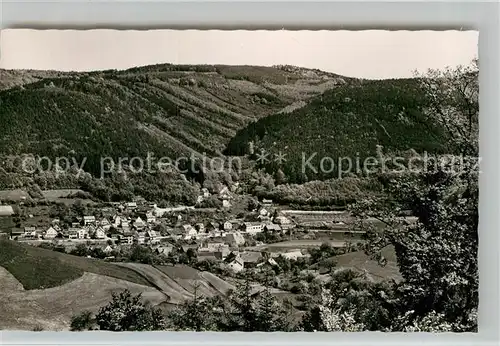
152 237
216 233
253 227
224 192
200 227
236 265
83 233
131 205
175 233
99 233
140 237
267 202
73 233
270 261
51 233
29 231
88 220
272 227
117 221
205 192
127 238
227 226
284 222
164 249
189 232
139 223
150 217
105 224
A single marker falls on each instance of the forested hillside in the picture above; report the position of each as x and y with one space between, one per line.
168 110
346 122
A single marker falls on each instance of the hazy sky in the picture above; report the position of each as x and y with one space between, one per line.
368 54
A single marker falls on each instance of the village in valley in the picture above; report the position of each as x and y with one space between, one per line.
233 239
281 192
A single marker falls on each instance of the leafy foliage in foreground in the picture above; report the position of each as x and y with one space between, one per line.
127 312
82 321
240 310
437 255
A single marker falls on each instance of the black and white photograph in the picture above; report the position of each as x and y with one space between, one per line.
239 180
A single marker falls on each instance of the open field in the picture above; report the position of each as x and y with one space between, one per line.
14 195
58 196
70 201
46 288
38 268
60 193
361 262
52 308
297 245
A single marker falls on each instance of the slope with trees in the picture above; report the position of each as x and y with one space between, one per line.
347 122
169 110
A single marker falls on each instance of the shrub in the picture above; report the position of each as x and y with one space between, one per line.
128 313
82 321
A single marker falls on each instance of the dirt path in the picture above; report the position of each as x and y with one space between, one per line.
180 283
175 292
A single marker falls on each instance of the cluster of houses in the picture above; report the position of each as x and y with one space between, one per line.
87 228
236 260
139 223
233 259
132 222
